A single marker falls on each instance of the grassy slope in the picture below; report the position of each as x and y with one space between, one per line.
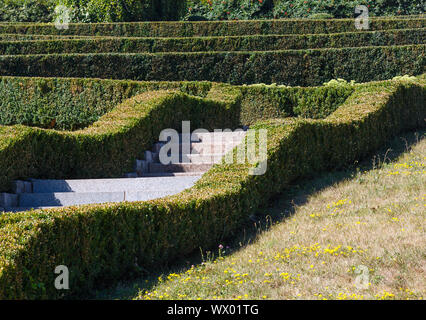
371 215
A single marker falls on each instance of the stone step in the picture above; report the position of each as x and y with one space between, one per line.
205 158
171 174
8 200
199 147
114 185
221 136
191 157
209 136
60 199
178 167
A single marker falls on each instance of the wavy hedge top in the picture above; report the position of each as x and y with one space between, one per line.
103 243
109 146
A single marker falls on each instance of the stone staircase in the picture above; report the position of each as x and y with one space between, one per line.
152 179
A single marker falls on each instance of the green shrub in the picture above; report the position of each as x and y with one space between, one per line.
249 9
27 10
209 44
213 28
104 243
69 104
228 10
110 146
249 104
291 67
125 10
265 102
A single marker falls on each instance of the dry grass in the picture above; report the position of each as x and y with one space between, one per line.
359 237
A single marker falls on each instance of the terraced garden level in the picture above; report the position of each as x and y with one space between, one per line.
59 125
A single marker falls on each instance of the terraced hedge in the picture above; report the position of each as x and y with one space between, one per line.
110 146
108 151
291 67
102 243
70 104
204 44
23 37
213 28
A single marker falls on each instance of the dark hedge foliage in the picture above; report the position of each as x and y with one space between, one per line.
290 67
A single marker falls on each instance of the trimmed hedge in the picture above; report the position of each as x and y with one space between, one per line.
69 104
213 28
291 67
23 37
265 102
110 146
250 103
210 44
103 243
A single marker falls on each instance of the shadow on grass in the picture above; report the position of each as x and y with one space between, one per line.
280 208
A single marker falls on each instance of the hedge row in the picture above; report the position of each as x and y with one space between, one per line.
69 104
103 243
213 28
110 146
23 37
261 102
214 44
291 67
251 103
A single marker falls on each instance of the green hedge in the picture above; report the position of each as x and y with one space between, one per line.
265 102
213 28
291 67
110 146
209 44
74 103
103 243
69 104
23 37
49 99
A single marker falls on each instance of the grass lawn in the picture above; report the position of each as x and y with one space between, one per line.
354 234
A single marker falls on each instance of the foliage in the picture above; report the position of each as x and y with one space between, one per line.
291 67
210 44
105 243
27 10
125 10
249 9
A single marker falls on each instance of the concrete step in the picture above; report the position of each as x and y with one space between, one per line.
8 200
179 167
171 174
192 157
221 136
199 147
60 199
209 136
205 158
115 185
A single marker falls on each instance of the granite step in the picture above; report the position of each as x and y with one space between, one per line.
61 199
115 185
178 167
